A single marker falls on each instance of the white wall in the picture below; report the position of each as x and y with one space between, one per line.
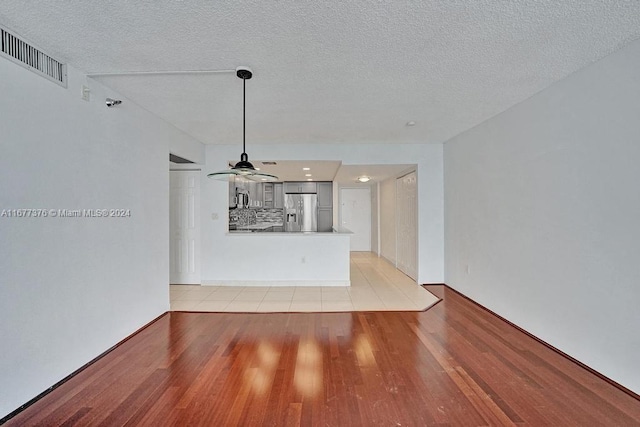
73 287
189 149
219 251
543 204
285 259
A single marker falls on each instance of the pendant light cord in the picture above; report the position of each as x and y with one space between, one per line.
243 168
244 113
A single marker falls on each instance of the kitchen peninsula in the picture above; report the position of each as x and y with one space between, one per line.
286 259
271 234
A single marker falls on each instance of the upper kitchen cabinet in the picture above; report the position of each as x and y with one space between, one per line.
267 194
325 206
325 195
255 194
278 196
300 187
250 193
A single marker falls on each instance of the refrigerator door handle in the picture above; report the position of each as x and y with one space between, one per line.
301 212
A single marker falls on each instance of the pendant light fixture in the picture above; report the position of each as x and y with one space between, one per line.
243 168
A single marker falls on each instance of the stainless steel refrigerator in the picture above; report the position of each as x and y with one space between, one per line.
301 212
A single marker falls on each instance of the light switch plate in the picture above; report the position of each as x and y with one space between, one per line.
85 93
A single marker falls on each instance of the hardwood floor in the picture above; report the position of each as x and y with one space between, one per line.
454 364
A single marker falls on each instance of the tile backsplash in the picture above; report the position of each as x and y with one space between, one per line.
250 216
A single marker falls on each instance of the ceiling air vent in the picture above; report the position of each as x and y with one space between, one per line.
22 53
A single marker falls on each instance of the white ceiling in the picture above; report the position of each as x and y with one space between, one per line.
328 71
293 170
348 174
329 170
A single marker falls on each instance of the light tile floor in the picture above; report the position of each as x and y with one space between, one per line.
376 285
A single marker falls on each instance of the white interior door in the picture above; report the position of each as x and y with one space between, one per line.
355 215
184 220
407 225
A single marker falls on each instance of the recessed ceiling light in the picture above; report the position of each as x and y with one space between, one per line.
307 174
363 178
264 179
309 179
257 169
411 123
306 169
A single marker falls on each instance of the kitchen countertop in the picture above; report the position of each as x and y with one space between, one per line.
255 229
260 226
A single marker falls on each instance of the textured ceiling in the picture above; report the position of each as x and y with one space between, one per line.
328 72
292 170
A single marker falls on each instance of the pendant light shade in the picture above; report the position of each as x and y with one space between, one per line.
243 168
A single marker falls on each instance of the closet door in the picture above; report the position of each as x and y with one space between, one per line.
407 225
184 223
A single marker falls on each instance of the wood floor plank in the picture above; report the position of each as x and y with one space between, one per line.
455 364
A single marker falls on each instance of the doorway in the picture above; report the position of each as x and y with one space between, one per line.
355 215
184 227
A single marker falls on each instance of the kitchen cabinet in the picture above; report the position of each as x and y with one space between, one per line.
325 195
278 196
256 194
300 187
325 206
252 192
325 220
261 194
267 194
272 195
